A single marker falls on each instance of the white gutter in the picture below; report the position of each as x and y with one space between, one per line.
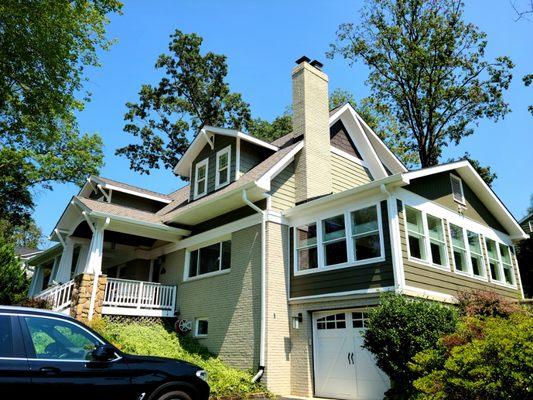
262 338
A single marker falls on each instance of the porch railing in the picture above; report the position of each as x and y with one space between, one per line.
59 296
129 297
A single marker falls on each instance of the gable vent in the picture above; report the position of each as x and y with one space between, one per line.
457 189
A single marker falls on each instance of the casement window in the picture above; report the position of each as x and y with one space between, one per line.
505 254
201 328
457 189
352 237
200 186
460 256
494 262
426 240
415 233
223 167
437 244
210 259
476 254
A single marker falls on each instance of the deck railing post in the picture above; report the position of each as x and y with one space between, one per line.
140 294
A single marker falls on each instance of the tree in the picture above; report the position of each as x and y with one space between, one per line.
13 282
428 67
45 47
28 235
524 254
193 93
270 131
485 173
398 329
528 79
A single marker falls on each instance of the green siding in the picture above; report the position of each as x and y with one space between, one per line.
251 155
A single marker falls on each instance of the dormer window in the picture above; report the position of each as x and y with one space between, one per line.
223 167
200 187
457 189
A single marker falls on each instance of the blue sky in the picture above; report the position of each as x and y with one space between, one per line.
261 40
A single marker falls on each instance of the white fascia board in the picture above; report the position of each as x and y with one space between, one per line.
265 180
436 169
110 186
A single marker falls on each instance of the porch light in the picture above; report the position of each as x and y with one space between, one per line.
297 320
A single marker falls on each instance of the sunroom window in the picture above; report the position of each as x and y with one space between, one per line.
476 255
200 187
307 247
334 240
365 233
213 258
459 248
493 260
223 167
507 264
415 233
437 243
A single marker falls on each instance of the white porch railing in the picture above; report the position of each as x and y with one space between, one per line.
128 297
59 296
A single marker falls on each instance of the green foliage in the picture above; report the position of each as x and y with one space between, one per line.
27 235
192 93
398 329
45 47
428 67
484 303
528 79
270 131
156 340
13 282
486 358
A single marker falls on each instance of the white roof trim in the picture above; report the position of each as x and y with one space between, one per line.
525 218
264 181
137 193
182 168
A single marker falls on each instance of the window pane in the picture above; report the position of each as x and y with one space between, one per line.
473 242
459 257
504 251
223 161
6 336
508 272
477 265
333 228
59 340
222 176
209 258
494 271
367 247
457 236
491 249
203 327
414 220
193 264
435 228
306 235
365 220
335 253
307 259
226 254
201 172
438 253
416 247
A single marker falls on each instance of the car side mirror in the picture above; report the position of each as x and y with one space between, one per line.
103 352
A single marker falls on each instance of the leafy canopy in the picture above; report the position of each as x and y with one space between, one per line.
13 282
192 93
428 67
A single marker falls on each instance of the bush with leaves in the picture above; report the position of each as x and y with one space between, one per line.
398 329
485 303
489 358
13 281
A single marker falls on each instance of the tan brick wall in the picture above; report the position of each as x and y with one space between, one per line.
278 368
81 296
301 376
230 301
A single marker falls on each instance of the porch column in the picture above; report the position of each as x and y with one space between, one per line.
53 273
36 282
82 259
94 258
65 264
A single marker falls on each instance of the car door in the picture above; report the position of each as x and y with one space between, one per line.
14 368
59 357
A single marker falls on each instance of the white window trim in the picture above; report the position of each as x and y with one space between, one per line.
462 200
470 268
197 325
502 269
220 153
348 237
199 165
187 260
427 247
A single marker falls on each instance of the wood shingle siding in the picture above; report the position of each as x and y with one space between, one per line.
283 189
360 277
346 174
440 280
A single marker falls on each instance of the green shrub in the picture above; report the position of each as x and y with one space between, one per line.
398 329
485 359
13 281
156 340
485 303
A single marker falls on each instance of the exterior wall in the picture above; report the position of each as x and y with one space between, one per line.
138 270
221 142
367 276
283 189
230 301
436 279
251 155
139 203
340 139
346 174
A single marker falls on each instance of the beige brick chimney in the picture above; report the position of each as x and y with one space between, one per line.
311 119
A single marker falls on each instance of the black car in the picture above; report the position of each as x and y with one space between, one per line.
47 355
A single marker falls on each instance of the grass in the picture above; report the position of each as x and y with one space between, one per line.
157 340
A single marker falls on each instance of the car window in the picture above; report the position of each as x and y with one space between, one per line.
60 340
6 336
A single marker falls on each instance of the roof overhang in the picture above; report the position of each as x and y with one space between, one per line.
46 255
182 168
95 182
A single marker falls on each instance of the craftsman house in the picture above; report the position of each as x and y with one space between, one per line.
273 253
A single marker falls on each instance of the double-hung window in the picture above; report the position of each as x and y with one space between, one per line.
365 233
460 258
334 240
415 233
200 187
425 234
476 255
307 250
437 244
494 262
505 253
223 167
209 259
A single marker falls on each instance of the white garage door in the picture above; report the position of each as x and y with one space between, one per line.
343 369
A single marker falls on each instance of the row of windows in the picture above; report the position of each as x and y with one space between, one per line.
222 177
350 237
338 321
427 242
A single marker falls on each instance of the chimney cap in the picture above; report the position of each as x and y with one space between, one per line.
303 59
317 64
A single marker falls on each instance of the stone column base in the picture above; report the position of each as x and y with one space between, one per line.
81 297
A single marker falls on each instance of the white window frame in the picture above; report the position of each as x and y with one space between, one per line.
348 237
462 200
502 263
188 252
427 243
501 282
200 164
469 254
469 268
197 325
220 153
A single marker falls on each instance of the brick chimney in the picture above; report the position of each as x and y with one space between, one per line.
310 118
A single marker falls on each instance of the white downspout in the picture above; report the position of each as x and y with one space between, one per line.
262 338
